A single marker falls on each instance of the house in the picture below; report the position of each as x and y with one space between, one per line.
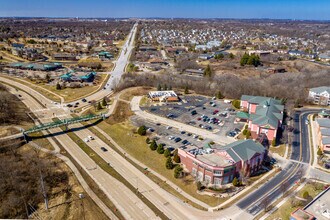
296 53
147 48
157 61
219 166
323 133
320 95
163 96
17 45
264 115
318 208
64 56
68 77
105 55
36 66
205 56
89 77
194 72
325 56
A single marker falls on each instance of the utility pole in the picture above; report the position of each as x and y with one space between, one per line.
43 190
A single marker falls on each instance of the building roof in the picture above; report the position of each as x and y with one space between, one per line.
323 122
320 89
325 131
268 112
302 214
243 149
326 140
320 206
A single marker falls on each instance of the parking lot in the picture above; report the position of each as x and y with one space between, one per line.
199 111
171 137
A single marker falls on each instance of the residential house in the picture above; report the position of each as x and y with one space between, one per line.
325 56
194 72
264 115
219 166
64 56
320 95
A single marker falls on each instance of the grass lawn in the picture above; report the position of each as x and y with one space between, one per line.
136 146
145 101
280 150
287 208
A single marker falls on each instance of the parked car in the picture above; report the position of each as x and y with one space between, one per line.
84 100
194 112
168 127
104 149
176 140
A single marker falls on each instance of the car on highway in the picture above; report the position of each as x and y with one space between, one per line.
84 100
104 149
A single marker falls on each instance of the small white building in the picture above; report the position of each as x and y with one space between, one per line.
320 95
163 96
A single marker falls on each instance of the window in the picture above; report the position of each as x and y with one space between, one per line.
217 172
217 181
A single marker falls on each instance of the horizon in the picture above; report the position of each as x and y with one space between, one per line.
170 9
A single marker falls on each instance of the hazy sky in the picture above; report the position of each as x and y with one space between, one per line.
291 9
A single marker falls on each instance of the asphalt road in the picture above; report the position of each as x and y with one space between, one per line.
117 72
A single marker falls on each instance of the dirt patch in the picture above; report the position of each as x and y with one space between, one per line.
121 113
138 91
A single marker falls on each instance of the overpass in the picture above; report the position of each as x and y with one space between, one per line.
55 124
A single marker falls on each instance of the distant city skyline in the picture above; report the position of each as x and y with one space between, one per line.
239 9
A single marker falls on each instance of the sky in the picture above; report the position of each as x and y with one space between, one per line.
277 9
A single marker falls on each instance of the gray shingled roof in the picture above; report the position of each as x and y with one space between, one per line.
320 89
323 122
244 149
325 132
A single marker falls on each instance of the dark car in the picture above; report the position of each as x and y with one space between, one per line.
84 100
194 112
176 140
104 149
158 124
69 105
185 142
183 132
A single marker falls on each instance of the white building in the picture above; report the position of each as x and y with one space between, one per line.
320 95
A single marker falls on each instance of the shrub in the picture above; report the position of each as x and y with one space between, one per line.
148 140
274 142
319 152
235 182
199 186
248 134
236 103
244 131
305 195
142 130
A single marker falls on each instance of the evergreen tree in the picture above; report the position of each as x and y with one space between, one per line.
231 56
219 95
235 182
176 158
177 172
58 86
208 71
99 106
142 130
160 149
165 87
153 145
159 87
104 102
167 153
248 134
244 59
148 140
169 164
186 90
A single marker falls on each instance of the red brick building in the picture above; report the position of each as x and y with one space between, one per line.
264 115
219 166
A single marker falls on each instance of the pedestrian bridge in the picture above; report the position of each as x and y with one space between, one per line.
64 122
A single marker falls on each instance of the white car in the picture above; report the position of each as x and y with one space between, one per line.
168 127
86 140
90 138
